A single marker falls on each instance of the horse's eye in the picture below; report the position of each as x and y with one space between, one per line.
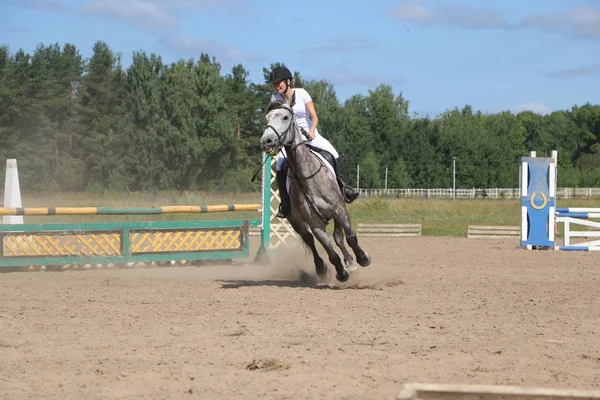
286 118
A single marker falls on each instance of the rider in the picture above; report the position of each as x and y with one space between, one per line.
307 120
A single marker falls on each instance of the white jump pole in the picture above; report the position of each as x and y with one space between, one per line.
12 193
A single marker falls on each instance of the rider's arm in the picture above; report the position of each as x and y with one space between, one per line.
310 108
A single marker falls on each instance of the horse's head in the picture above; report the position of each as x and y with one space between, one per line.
280 128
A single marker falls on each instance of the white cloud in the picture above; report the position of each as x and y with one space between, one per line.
413 12
576 21
342 76
535 106
339 45
577 72
463 16
48 5
193 3
183 45
149 15
142 14
580 21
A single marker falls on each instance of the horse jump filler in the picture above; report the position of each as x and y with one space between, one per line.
386 230
71 245
492 232
540 216
109 244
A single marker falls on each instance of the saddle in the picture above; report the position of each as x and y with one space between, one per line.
324 153
320 153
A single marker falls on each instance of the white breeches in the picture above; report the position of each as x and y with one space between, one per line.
319 141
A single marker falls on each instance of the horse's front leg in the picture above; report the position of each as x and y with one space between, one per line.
338 236
309 240
362 257
342 274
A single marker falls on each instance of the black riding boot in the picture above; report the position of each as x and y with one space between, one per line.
284 205
349 193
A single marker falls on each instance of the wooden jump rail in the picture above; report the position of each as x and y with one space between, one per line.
380 230
420 391
492 232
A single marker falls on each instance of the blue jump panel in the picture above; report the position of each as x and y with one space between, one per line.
538 201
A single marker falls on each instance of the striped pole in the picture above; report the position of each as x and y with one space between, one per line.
577 210
128 210
585 215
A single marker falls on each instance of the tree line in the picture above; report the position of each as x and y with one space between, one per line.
77 124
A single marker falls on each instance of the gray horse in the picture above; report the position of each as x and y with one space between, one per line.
315 195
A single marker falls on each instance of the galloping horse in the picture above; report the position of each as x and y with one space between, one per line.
315 196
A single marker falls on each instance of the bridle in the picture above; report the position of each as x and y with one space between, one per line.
279 142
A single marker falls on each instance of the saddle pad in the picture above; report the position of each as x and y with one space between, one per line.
323 160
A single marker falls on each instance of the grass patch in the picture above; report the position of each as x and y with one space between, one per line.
437 217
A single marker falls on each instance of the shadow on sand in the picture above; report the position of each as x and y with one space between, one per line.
307 280
302 280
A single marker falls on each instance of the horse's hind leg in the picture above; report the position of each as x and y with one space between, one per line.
342 274
309 239
362 257
338 236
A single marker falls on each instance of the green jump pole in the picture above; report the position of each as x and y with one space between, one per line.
265 232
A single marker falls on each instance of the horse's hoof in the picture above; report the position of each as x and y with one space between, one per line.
344 276
323 276
321 269
364 262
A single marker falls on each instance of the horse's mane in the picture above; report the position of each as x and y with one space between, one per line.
275 104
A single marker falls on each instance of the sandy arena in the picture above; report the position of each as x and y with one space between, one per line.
444 310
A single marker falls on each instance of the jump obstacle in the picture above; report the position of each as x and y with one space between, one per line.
88 245
441 391
387 230
492 232
540 216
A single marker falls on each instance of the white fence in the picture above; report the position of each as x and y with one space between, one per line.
490 193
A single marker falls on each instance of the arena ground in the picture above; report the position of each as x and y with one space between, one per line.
445 310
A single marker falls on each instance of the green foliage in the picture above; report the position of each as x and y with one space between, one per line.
370 176
398 177
78 124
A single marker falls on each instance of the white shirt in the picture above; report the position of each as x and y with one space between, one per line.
300 112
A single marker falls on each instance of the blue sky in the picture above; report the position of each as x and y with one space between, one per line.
541 55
